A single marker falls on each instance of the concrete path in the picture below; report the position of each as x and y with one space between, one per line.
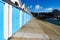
30 35
30 31
53 31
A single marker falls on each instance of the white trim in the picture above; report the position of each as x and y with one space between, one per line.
10 20
6 21
21 15
23 6
20 18
13 1
24 18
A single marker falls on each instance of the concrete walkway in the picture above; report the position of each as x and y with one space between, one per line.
53 31
31 31
30 35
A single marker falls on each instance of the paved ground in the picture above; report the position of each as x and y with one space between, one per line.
37 30
31 31
53 31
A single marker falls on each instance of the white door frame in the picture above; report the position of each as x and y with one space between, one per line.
20 19
7 21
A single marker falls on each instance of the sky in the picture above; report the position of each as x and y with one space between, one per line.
41 5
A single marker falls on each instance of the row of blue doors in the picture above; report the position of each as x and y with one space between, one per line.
15 19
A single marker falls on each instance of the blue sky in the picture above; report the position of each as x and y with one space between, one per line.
42 5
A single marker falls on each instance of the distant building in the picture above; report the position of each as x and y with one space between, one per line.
54 14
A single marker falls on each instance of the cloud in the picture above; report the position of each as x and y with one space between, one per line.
59 8
37 7
27 7
30 6
48 9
